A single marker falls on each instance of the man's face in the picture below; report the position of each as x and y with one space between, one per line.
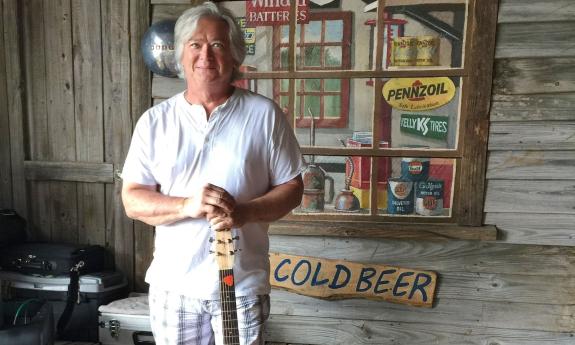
207 57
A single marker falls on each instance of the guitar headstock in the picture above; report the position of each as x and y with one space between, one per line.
224 248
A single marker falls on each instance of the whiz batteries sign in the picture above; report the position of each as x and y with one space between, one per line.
336 279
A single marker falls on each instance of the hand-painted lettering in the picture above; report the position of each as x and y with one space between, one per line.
277 271
399 283
381 281
295 270
364 279
314 281
420 286
338 269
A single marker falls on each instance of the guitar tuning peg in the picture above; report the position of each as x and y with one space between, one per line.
211 239
236 238
221 242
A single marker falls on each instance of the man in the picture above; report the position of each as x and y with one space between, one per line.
212 157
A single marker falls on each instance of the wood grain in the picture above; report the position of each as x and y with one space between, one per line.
5 169
535 196
534 228
534 76
530 165
514 11
536 107
531 135
327 331
535 40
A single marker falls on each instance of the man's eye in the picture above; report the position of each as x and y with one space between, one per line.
217 45
194 45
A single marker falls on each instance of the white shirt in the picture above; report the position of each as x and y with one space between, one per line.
245 147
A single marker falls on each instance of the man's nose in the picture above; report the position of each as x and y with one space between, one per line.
206 52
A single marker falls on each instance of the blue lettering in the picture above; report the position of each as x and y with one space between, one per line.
399 284
420 287
314 281
381 281
338 269
365 278
276 272
299 264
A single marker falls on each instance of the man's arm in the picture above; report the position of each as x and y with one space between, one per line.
273 205
145 203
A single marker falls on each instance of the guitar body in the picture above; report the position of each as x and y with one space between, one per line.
224 251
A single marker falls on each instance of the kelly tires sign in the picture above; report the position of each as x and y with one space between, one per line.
427 126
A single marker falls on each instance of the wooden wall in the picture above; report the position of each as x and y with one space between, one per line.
530 189
72 85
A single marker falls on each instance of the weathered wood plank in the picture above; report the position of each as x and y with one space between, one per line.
548 197
541 107
161 12
529 40
481 22
141 96
325 331
446 311
513 11
446 256
14 90
37 112
69 171
6 168
163 87
540 135
117 126
61 125
492 287
534 76
534 228
88 104
530 165
383 230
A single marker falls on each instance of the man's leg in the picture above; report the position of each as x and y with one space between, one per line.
177 320
252 312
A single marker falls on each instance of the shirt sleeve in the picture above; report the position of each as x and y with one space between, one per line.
286 161
138 164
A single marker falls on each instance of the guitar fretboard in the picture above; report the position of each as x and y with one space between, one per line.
229 312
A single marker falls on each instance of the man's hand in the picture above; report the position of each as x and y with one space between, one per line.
210 201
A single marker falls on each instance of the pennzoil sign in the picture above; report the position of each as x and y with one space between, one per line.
415 94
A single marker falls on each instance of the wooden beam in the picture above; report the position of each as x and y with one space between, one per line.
534 196
535 40
475 111
6 168
532 135
14 91
515 11
141 96
530 165
383 230
534 76
69 171
538 107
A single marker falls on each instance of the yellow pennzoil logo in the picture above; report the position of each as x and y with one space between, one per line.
418 93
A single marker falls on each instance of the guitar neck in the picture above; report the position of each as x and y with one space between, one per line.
229 311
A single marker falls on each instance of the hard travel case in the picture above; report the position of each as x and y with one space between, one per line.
126 322
95 289
52 258
29 322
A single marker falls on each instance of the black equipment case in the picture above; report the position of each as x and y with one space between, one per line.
29 322
95 289
52 258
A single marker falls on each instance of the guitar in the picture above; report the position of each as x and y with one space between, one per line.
224 250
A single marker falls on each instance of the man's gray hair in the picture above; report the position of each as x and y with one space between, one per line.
186 26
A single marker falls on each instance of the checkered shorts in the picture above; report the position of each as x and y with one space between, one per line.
180 320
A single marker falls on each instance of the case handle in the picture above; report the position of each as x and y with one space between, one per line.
137 341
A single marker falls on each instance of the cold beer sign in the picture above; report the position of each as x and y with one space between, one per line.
274 12
335 279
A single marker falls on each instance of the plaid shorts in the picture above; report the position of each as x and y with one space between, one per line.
180 320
